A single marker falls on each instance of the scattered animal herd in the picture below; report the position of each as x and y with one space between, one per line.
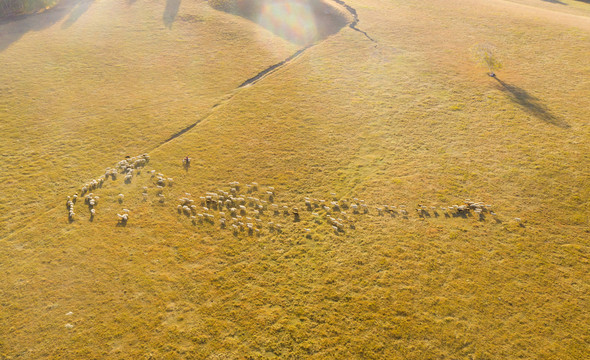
254 210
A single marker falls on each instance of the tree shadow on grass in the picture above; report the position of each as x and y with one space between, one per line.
531 104
78 11
170 12
12 29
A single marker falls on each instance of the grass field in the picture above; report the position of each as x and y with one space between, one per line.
403 116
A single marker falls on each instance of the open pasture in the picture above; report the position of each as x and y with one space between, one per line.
392 115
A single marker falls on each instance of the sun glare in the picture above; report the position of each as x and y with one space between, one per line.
290 19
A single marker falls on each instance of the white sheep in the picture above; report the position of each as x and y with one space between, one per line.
123 218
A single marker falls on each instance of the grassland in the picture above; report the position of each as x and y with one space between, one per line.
408 119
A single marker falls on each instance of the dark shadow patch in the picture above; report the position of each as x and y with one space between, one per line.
531 104
78 11
555 2
13 28
170 12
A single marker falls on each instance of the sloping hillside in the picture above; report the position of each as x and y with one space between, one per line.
341 168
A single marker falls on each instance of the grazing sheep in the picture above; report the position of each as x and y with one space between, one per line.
123 218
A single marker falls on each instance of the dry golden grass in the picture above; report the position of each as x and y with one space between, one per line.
409 119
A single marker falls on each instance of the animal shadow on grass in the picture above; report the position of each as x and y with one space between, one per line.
170 12
13 28
461 214
555 2
531 104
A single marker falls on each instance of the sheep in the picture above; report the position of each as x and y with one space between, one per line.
123 218
71 215
92 213
128 179
186 210
335 206
170 181
179 208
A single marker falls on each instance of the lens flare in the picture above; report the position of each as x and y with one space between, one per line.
291 19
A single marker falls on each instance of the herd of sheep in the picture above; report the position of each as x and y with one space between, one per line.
253 209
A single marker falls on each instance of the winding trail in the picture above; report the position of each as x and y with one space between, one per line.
269 70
